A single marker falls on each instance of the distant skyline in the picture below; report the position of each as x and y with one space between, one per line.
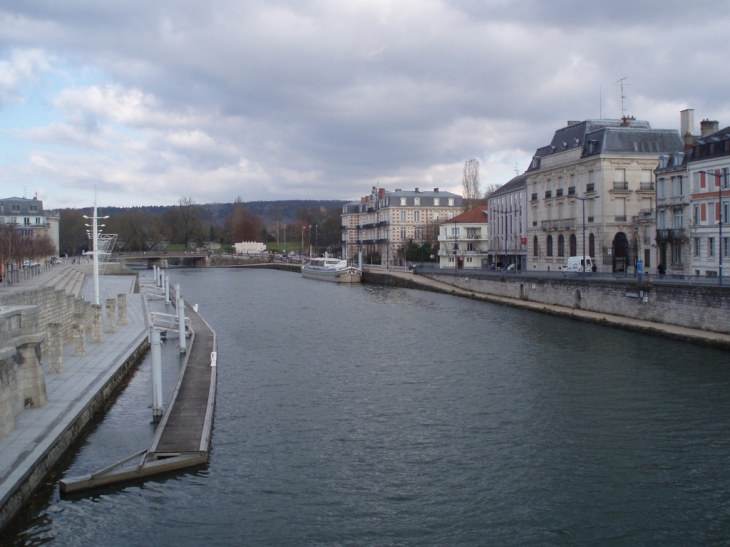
322 99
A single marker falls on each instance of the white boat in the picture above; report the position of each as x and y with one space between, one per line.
331 269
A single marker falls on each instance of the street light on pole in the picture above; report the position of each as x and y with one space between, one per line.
583 201
723 178
504 214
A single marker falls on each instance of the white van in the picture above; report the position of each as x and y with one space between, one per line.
575 264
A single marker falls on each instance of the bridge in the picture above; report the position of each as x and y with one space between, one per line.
165 259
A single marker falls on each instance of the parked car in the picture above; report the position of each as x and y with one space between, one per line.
29 263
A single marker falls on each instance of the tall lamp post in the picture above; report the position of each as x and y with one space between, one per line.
583 201
456 248
723 179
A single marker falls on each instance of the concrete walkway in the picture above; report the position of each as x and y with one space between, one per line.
41 434
661 329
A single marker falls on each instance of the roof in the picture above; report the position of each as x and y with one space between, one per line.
517 183
474 216
595 137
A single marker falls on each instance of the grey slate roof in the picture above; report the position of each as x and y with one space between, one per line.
517 183
595 137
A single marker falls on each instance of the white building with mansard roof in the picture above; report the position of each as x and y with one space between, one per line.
600 170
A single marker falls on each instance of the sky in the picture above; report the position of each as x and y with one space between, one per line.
144 103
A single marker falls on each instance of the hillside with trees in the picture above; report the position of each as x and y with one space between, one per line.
191 224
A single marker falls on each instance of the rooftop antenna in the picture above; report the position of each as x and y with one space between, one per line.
25 191
600 103
517 170
622 84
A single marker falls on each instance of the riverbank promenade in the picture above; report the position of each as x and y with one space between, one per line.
617 321
42 434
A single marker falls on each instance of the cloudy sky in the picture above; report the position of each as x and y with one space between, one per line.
322 99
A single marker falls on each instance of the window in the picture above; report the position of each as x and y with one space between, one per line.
32 208
436 216
416 201
710 246
37 220
677 254
725 243
548 194
696 215
550 245
451 202
455 232
660 192
590 187
15 208
678 218
677 189
437 201
26 221
535 248
695 182
697 249
402 233
402 201
417 216
647 258
561 245
661 220
402 216
573 245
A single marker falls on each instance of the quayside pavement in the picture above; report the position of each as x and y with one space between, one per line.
661 329
42 434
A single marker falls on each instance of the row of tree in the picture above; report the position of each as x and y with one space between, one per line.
192 225
16 248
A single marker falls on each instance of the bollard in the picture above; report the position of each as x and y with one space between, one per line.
181 324
111 315
96 328
167 289
155 345
122 309
79 339
55 348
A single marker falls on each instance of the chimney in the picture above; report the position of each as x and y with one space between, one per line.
707 127
436 190
381 193
416 190
686 126
572 122
626 121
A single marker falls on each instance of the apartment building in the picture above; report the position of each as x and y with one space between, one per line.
463 240
381 225
591 190
29 217
708 170
508 225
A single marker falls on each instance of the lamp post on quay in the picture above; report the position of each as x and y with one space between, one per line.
583 201
723 181
504 214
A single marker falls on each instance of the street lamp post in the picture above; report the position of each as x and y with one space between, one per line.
723 178
504 214
583 201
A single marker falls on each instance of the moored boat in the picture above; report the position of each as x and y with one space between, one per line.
331 269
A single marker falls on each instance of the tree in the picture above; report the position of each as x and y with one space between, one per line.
491 189
245 225
72 232
470 181
189 223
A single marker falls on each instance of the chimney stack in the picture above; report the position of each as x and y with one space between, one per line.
707 127
381 193
686 126
436 190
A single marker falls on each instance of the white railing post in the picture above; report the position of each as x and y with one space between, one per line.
157 407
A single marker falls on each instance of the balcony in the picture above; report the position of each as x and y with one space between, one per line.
646 187
620 185
620 218
562 224
671 234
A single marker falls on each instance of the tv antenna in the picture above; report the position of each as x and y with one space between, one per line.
622 84
517 170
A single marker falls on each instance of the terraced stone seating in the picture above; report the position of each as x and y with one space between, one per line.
68 279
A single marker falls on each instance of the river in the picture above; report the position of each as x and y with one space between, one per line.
367 415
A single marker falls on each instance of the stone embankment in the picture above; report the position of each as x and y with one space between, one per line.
223 260
693 314
51 383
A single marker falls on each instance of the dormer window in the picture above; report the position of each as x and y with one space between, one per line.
402 201
437 201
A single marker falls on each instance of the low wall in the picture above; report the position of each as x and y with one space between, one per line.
697 307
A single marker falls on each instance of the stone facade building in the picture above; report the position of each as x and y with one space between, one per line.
508 213
381 224
603 171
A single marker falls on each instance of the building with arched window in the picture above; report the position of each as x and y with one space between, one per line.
601 171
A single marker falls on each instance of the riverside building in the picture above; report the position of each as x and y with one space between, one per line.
508 225
382 224
601 170
463 240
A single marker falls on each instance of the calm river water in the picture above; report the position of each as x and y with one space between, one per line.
365 415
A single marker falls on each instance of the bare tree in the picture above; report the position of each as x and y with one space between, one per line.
491 189
471 182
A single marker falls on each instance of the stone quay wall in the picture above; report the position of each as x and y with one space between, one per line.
698 307
54 306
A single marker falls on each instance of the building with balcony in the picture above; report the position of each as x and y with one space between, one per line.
591 191
708 169
508 224
463 240
382 224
